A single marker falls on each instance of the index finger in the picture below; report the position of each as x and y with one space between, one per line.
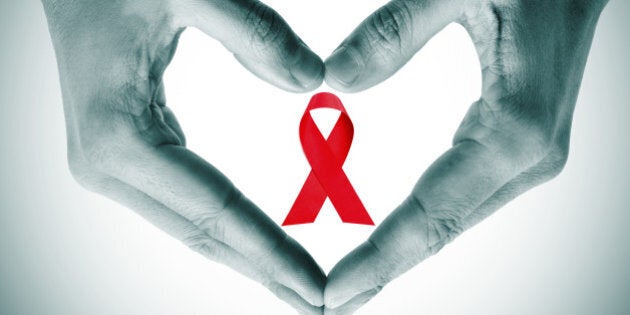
260 39
386 40
185 183
478 168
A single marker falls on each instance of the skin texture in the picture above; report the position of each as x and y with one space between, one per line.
125 143
516 136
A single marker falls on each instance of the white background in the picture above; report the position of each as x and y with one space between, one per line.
560 248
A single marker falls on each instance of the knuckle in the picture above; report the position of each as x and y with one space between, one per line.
385 28
443 221
441 231
540 145
232 198
200 243
211 224
523 138
265 26
106 142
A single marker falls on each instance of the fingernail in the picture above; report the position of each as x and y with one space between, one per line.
343 66
309 72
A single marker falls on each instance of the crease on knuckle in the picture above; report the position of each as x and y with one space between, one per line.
266 27
231 198
443 224
201 243
208 223
507 134
425 233
503 64
385 28
211 222
539 146
107 135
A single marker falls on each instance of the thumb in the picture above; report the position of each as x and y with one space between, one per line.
260 39
386 40
400 242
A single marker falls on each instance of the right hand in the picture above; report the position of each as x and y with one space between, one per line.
125 143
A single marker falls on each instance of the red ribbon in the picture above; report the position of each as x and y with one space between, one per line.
327 178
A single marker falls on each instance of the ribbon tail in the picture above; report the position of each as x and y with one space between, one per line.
308 202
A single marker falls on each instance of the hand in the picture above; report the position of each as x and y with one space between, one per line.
125 143
516 136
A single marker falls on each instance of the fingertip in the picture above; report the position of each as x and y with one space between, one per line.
314 293
343 69
335 293
359 272
308 71
297 71
353 304
294 299
302 273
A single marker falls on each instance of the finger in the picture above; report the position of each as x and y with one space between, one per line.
446 196
175 225
198 192
542 172
514 138
150 158
369 267
261 40
295 300
195 238
353 304
347 280
386 40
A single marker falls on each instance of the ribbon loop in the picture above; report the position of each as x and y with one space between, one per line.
327 178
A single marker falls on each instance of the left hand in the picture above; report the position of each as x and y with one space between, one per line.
516 136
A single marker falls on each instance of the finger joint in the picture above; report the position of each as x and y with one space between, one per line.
265 26
385 28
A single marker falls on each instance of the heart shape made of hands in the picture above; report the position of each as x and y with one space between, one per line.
124 142
259 148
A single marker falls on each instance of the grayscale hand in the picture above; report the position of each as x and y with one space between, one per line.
516 136
125 143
